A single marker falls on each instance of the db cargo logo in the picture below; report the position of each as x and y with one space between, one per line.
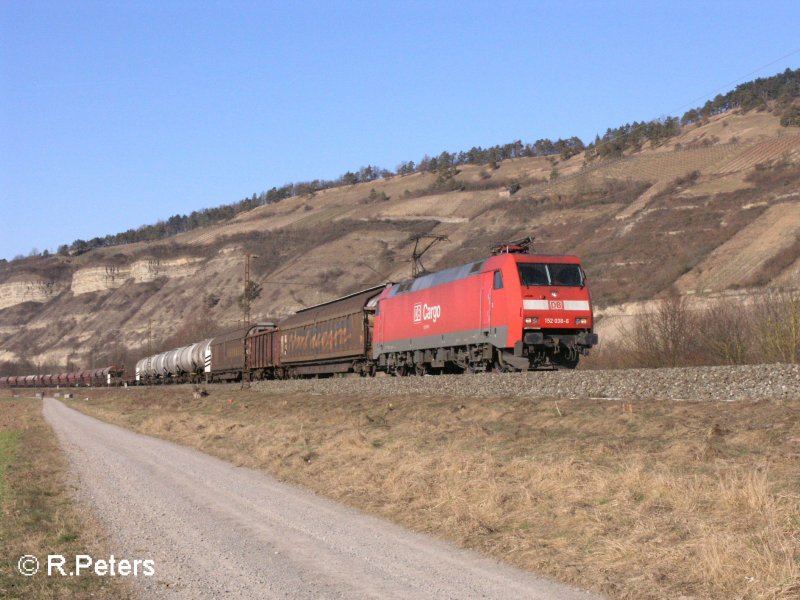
556 305
423 312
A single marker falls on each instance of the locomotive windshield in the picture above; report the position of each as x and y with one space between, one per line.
532 274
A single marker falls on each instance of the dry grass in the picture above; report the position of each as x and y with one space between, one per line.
39 516
653 499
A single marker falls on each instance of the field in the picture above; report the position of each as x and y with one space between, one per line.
645 498
39 515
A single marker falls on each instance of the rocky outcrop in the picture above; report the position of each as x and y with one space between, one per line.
100 279
36 290
151 269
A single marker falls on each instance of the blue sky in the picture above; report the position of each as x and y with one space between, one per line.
118 114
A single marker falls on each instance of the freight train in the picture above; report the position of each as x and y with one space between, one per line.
511 311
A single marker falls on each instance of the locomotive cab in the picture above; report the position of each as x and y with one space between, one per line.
556 322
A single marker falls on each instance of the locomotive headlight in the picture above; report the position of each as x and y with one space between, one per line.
581 321
528 320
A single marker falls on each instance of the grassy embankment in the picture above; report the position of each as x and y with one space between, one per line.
652 499
37 513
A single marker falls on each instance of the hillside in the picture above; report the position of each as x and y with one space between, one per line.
713 209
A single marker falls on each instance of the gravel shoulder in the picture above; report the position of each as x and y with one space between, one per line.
216 530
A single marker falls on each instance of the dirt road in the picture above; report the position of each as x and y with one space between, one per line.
215 530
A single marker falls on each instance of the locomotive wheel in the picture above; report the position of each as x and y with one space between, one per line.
568 363
502 367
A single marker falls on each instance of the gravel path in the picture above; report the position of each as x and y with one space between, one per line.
219 531
750 382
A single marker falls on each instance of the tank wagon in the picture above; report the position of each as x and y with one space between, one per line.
185 364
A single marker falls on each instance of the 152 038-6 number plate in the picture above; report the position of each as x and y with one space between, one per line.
556 321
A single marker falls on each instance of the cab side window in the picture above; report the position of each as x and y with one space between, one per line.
498 280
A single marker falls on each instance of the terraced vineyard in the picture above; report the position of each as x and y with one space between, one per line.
760 153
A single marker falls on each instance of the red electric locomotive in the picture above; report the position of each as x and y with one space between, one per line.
513 311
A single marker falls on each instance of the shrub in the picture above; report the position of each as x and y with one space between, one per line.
791 117
376 196
726 337
665 338
776 316
211 300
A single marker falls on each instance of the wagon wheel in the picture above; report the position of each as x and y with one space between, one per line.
367 370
